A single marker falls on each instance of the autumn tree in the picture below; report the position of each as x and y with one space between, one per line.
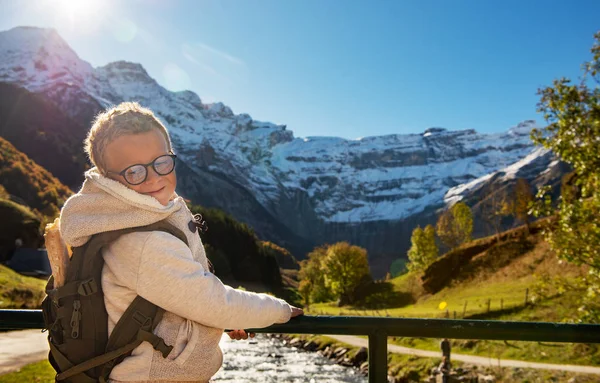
522 201
423 251
455 225
345 267
572 111
496 205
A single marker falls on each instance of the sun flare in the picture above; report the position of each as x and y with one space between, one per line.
79 13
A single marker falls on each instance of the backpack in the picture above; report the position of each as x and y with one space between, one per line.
77 321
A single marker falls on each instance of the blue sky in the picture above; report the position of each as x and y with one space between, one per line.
338 68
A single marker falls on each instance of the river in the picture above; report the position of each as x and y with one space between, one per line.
266 359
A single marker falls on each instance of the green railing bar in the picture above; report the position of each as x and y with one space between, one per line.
379 328
378 357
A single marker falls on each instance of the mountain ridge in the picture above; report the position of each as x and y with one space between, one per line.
318 188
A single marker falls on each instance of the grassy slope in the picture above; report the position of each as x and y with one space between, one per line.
18 291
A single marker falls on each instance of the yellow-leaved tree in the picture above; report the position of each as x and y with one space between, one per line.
455 225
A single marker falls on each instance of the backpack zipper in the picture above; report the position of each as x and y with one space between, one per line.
75 319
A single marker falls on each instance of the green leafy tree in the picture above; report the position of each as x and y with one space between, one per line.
572 111
312 286
455 225
423 251
346 268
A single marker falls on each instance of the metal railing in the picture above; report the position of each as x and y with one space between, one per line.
379 328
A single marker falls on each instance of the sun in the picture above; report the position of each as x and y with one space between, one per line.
79 13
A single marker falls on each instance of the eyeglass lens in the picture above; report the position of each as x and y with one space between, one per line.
136 174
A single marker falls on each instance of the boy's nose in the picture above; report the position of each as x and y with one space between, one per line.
152 174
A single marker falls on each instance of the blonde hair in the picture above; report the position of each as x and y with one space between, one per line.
125 118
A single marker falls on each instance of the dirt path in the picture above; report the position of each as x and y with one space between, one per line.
19 348
361 342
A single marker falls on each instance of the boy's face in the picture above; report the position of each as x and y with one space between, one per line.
142 148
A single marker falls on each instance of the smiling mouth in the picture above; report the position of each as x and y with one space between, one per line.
156 191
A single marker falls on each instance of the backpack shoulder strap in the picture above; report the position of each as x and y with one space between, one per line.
141 317
137 323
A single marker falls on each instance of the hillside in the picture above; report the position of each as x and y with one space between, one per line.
501 269
30 196
35 186
504 270
516 277
38 128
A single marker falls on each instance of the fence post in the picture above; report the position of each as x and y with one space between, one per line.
526 296
464 309
378 357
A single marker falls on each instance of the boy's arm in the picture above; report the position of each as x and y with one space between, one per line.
170 278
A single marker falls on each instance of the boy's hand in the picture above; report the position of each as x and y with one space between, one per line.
240 334
296 311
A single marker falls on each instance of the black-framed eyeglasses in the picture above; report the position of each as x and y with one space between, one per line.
137 174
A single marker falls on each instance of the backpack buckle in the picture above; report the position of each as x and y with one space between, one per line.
88 287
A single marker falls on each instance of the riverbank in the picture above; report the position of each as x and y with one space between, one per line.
414 368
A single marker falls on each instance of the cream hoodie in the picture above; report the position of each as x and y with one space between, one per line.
163 270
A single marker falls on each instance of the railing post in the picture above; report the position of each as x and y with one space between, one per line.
378 357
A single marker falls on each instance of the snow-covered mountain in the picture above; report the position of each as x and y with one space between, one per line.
312 186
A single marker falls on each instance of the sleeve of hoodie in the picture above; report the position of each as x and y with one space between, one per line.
170 278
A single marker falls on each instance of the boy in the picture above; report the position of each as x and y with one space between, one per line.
133 184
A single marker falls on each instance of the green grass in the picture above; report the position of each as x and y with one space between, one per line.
512 293
18 291
508 293
41 372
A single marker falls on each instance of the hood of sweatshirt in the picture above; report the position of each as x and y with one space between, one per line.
104 204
